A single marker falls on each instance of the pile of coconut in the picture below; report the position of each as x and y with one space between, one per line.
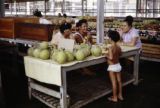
45 51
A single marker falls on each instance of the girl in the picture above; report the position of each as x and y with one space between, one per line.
114 68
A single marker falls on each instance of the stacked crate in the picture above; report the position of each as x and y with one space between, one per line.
151 50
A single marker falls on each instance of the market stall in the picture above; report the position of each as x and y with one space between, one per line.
49 72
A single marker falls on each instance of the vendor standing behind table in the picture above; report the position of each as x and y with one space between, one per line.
130 36
64 32
82 35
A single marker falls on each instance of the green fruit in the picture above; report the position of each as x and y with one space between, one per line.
70 56
54 54
61 57
80 55
96 51
44 54
43 45
36 52
30 51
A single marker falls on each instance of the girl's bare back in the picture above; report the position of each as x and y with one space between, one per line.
116 52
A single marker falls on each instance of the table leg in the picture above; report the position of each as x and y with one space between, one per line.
29 89
63 91
136 69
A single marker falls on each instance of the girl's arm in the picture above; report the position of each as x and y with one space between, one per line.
110 54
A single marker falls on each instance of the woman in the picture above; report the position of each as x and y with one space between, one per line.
82 35
64 32
130 36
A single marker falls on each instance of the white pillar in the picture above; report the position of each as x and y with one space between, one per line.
52 7
28 8
155 7
63 7
15 8
82 2
100 21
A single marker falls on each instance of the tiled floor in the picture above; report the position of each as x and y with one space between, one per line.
145 95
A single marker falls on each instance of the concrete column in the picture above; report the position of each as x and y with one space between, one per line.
52 6
15 8
2 8
155 8
82 2
63 7
28 8
137 7
100 21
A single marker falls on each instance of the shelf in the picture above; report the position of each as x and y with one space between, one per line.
83 89
48 100
156 42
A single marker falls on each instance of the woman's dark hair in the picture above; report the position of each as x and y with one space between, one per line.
114 35
37 13
80 22
129 20
65 15
64 27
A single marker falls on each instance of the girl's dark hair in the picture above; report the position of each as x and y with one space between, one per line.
80 22
64 27
114 35
129 20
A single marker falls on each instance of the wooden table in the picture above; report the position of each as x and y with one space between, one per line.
59 78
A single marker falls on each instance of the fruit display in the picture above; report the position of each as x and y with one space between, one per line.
148 28
40 50
45 51
58 21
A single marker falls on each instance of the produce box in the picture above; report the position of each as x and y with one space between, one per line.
7 28
150 50
34 31
7 25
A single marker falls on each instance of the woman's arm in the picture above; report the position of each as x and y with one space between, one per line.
90 39
78 39
132 43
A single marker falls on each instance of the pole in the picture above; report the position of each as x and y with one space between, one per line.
137 7
82 7
2 8
100 21
63 7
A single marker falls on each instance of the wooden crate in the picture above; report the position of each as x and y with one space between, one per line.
33 31
7 25
150 50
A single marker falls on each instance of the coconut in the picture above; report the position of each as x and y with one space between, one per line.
30 51
36 52
96 50
43 45
61 57
44 54
70 56
80 55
